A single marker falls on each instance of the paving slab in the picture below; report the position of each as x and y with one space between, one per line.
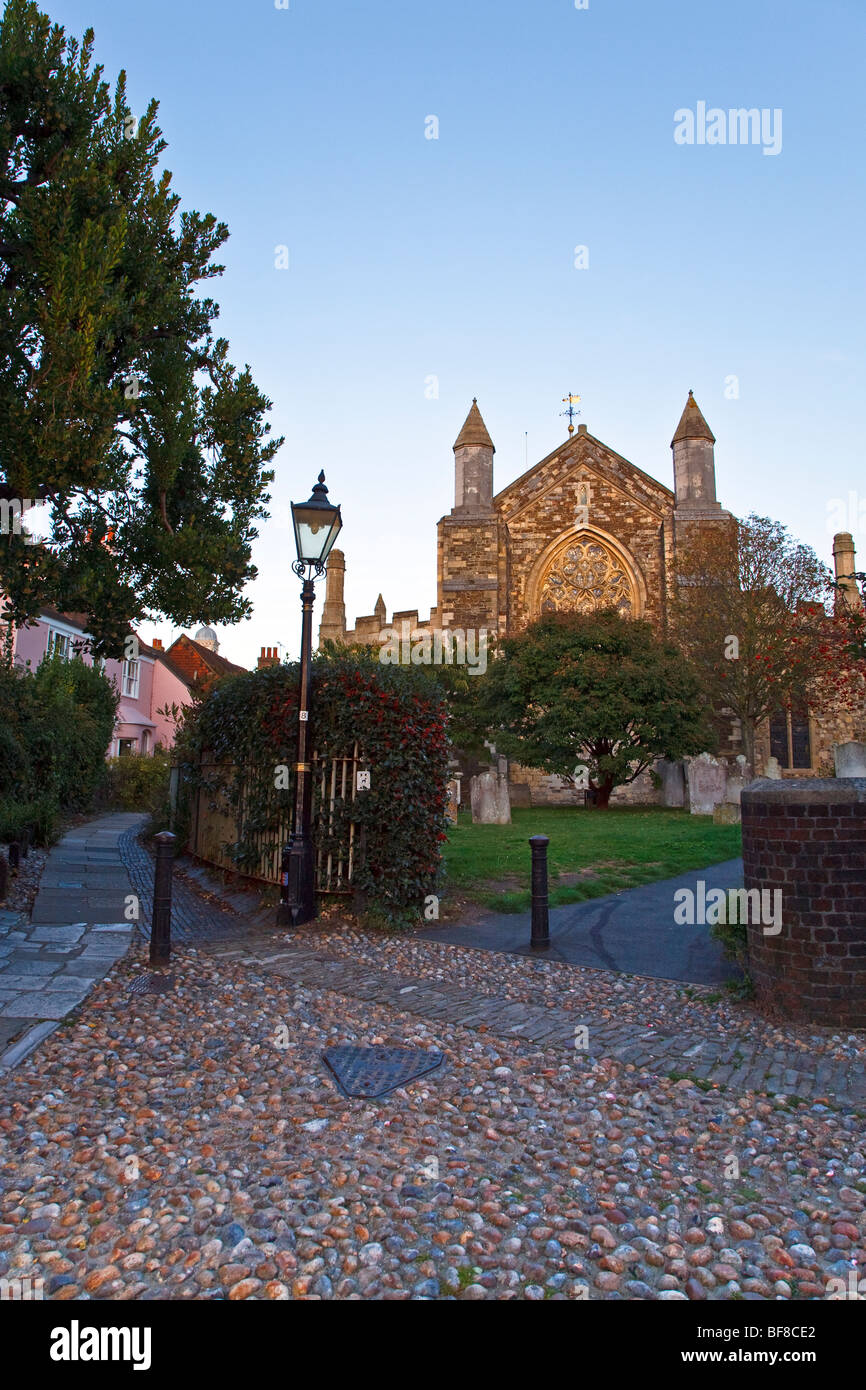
39 1006
75 935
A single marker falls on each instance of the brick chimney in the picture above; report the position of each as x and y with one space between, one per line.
157 644
268 657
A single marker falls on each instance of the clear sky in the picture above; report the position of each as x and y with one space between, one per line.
454 258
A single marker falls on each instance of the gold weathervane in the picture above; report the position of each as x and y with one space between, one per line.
571 402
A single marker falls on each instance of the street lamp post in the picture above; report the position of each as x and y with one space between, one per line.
317 524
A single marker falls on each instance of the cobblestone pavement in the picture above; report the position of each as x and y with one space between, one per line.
720 1060
77 931
694 1051
193 1145
193 918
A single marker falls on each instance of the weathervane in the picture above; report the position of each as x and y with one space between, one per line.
571 402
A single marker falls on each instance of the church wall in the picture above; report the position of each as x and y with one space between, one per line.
468 562
530 787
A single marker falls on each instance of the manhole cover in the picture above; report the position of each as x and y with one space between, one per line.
374 1071
151 984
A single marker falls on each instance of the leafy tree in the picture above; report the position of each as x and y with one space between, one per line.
595 690
749 613
120 409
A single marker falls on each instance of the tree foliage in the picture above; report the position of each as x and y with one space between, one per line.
119 408
749 612
594 690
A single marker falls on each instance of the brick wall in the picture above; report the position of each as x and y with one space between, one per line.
809 841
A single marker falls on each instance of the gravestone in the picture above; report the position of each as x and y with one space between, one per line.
707 778
726 813
489 797
673 788
772 769
738 778
453 804
850 759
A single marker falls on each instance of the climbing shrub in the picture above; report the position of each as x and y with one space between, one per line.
246 729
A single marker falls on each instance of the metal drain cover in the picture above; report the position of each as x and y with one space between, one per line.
370 1072
151 984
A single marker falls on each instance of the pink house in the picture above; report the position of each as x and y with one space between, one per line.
148 680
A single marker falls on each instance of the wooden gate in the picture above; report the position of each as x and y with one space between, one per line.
217 826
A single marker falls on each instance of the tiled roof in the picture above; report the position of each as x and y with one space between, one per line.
196 663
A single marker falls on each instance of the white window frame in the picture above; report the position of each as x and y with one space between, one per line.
131 679
59 641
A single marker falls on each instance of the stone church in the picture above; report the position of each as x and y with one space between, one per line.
582 529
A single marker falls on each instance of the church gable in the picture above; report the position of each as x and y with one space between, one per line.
589 454
584 530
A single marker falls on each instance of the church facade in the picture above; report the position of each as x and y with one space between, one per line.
582 529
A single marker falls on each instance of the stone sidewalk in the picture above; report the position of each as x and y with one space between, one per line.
77 931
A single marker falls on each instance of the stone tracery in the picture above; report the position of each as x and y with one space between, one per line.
584 576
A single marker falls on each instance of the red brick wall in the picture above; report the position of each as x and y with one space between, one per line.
809 841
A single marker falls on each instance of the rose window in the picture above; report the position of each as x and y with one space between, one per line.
584 577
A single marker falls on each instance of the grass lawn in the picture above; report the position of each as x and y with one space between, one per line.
591 852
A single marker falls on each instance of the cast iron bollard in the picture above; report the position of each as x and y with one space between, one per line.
14 855
25 842
540 922
284 915
160 935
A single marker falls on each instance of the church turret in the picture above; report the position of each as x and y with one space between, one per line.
333 625
844 562
473 467
694 464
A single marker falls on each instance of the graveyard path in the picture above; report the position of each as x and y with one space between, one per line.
633 931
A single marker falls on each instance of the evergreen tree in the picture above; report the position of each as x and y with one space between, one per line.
118 406
595 690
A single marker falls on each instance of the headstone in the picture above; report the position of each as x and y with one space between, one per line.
707 778
772 769
453 804
738 778
673 788
726 813
850 759
490 802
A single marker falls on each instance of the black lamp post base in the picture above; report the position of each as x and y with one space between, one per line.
299 905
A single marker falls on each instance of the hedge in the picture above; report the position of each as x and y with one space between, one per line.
55 726
398 717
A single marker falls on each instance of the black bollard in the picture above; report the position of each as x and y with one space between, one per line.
25 842
160 933
540 921
284 912
4 879
14 856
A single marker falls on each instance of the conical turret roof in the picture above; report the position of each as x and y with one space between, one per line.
474 430
692 424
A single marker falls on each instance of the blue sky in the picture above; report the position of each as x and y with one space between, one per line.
453 258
